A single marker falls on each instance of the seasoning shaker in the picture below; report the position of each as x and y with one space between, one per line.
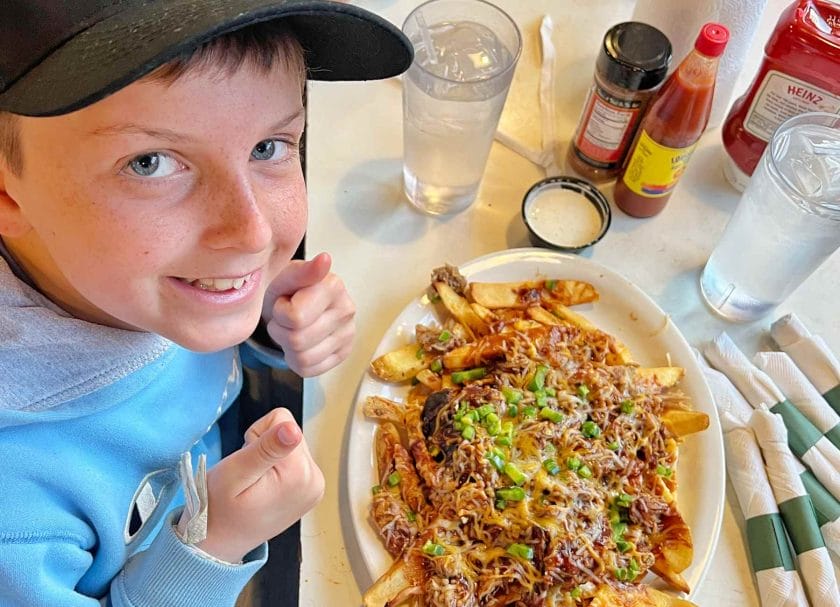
631 66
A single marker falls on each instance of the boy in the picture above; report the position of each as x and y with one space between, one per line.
151 198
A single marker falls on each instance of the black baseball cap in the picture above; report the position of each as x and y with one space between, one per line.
57 56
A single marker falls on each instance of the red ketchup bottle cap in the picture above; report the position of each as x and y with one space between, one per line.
712 39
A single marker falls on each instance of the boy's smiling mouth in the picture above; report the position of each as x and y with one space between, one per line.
218 284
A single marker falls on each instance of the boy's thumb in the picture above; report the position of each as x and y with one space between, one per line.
274 445
298 275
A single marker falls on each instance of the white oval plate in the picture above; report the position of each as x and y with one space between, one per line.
623 311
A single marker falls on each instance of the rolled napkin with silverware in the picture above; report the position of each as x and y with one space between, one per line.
796 509
798 389
805 440
811 354
778 582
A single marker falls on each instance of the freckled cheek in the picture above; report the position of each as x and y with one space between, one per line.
289 223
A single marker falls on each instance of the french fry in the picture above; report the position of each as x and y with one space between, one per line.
461 310
607 596
431 380
389 585
621 356
524 294
664 376
682 423
384 410
401 364
674 551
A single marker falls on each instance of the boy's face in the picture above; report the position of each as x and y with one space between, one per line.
167 207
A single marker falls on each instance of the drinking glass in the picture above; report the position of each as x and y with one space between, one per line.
786 223
465 53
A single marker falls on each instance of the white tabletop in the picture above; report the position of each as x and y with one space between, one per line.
384 251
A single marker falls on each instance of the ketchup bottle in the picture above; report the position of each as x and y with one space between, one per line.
670 129
800 73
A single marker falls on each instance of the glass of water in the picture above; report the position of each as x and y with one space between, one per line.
465 52
786 224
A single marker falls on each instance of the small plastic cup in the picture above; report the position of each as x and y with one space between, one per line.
565 213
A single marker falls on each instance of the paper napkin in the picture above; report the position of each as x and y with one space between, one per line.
779 584
811 355
805 440
800 392
796 509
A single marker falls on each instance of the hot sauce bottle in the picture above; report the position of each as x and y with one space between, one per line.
669 131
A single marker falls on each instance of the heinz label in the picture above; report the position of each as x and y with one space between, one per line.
654 169
780 97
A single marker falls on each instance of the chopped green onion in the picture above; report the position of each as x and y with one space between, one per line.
583 391
573 463
498 462
615 517
376 489
550 284
515 474
468 432
529 411
458 425
412 516
472 415
590 429
551 467
614 445
627 407
501 504
521 550
663 470
551 392
538 381
551 415
633 567
623 500
550 448
619 529
444 336
512 396
511 494
467 420
485 410
621 574
541 399
576 592
460 377
584 472
436 366
394 479
504 441
433 549
420 352
623 546
512 411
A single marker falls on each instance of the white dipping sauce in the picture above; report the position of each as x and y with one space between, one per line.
563 217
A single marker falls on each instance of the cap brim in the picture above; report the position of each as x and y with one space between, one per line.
341 41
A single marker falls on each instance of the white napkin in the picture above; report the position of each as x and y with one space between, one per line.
796 509
192 526
806 441
546 156
727 398
801 392
811 355
779 584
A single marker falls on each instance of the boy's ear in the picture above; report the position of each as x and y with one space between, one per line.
13 223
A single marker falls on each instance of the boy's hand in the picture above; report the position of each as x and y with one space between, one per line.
260 490
310 315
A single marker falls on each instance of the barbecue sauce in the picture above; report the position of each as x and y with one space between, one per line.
670 130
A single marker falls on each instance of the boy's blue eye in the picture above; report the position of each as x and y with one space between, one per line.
153 164
268 149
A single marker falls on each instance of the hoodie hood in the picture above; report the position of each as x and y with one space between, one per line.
48 359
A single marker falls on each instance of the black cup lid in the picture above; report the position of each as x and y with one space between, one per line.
634 55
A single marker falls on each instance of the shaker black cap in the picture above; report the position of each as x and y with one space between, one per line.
634 55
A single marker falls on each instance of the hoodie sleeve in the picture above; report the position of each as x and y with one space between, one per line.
45 573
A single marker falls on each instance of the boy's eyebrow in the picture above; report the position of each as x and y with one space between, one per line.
131 128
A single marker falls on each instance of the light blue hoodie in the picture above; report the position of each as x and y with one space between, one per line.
93 421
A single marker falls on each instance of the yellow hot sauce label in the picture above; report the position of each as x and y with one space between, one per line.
653 169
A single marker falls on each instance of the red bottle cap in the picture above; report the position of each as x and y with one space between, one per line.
712 40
